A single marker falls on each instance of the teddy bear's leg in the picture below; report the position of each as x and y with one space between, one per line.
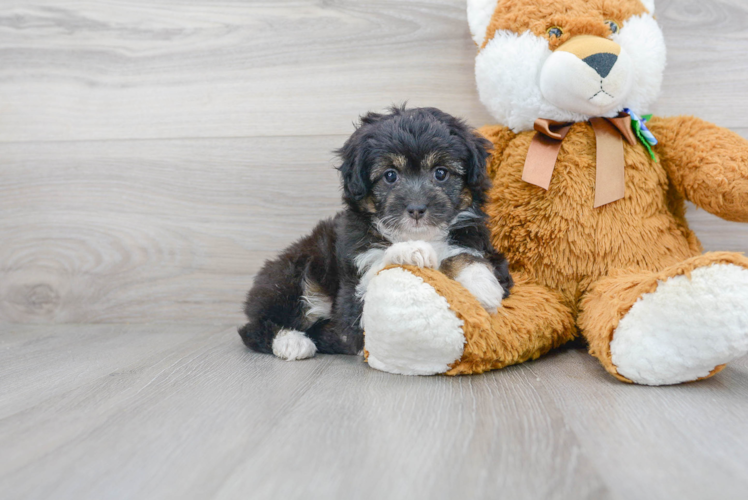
678 325
419 322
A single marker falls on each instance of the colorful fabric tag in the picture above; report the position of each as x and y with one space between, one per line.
645 136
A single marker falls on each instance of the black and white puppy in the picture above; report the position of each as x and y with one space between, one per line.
414 181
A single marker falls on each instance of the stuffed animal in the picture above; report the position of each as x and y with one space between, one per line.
588 205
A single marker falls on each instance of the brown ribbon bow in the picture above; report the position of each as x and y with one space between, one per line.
609 176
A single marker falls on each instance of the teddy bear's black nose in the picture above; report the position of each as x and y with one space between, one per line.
602 62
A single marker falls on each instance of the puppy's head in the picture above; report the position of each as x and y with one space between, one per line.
414 172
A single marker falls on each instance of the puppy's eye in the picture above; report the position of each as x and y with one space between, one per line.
390 176
555 32
441 174
614 28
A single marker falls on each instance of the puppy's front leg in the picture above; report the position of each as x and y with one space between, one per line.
343 334
477 275
411 253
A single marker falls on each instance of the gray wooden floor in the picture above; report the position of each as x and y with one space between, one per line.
154 152
103 411
151 412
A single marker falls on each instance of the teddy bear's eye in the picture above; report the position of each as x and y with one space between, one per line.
555 32
613 26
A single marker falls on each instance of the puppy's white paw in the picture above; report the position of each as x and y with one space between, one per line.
411 253
481 282
292 345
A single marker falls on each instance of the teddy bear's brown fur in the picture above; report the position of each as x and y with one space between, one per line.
591 275
579 270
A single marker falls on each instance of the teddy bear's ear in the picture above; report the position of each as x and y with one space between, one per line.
479 13
649 5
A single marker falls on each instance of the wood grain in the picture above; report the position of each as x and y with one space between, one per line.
206 418
386 436
641 436
165 69
154 153
143 231
153 230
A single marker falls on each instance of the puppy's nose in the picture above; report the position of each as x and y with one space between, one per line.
416 211
602 63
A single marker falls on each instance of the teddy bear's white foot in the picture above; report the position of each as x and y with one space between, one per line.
686 328
410 328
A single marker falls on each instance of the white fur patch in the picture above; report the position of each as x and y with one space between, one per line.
319 305
410 328
481 282
479 13
368 264
292 345
508 74
685 328
643 41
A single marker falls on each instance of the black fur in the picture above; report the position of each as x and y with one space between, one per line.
414 143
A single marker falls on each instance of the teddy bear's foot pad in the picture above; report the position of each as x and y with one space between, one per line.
686 328
410 328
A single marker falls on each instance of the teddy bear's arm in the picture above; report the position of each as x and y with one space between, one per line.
707 164
500 137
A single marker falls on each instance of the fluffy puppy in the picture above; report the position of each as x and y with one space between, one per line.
414 181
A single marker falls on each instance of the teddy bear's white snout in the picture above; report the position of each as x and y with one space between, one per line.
596 84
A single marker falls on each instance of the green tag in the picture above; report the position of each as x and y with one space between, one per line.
636 125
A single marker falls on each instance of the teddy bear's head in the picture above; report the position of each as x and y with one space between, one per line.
565 60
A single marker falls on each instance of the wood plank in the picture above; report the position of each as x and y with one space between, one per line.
685 441
165 69
704 38
37 361
171 231
153 230
376 435
171 421
210 419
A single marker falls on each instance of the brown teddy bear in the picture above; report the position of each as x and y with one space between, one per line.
588 205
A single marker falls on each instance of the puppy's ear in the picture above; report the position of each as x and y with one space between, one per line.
353 171
353 153
478 150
